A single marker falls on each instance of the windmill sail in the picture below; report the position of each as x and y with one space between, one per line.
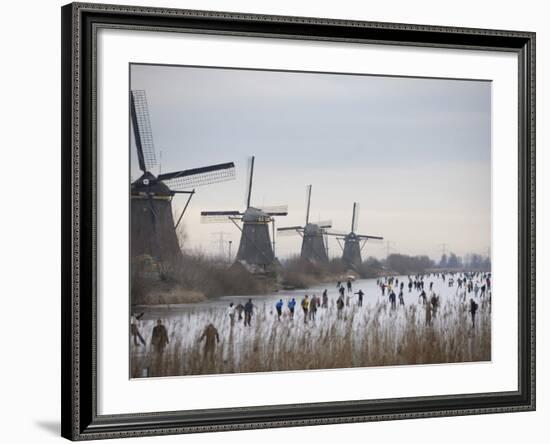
336 233
279 210
308 202
250 177
324 224
188 179
142 131
368 237
294 228
213 217
355 217
290 231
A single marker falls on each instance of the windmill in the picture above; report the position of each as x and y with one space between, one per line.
353 242
256 251
153 232
313 239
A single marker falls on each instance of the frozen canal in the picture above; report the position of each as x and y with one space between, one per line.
373 334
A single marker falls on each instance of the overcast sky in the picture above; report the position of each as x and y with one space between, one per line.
415 153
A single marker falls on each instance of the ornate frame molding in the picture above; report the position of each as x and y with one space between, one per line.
80 22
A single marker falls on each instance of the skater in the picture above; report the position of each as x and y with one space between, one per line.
279 308
473 309
325 299
342 291
434 300
340 306
291 305
159 340
401 300
349 285
392 300
423 297
360 294
313 308
410 286
231 314
248 307
305 307
212 337
240 308
134 330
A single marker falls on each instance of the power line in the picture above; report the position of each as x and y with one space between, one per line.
220 241
389 247
443 248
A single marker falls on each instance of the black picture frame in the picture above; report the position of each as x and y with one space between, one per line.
79 171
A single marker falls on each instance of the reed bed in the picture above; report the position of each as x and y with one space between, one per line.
371 335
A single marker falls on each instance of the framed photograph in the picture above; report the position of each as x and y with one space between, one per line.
277 221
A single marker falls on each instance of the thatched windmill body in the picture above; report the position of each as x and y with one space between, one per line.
153 232
313 235
256 249
353 243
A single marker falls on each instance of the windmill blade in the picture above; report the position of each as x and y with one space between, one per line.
287 233
324 224
219 216
369 237
249 178
216 219
295 227
336 233
142 130
278 210
196 177
355 219
221 213
308 202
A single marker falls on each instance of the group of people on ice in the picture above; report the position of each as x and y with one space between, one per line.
477 285
389 283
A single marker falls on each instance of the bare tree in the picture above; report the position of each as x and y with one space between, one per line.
183 237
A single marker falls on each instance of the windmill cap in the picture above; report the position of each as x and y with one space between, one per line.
148 182
312 229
